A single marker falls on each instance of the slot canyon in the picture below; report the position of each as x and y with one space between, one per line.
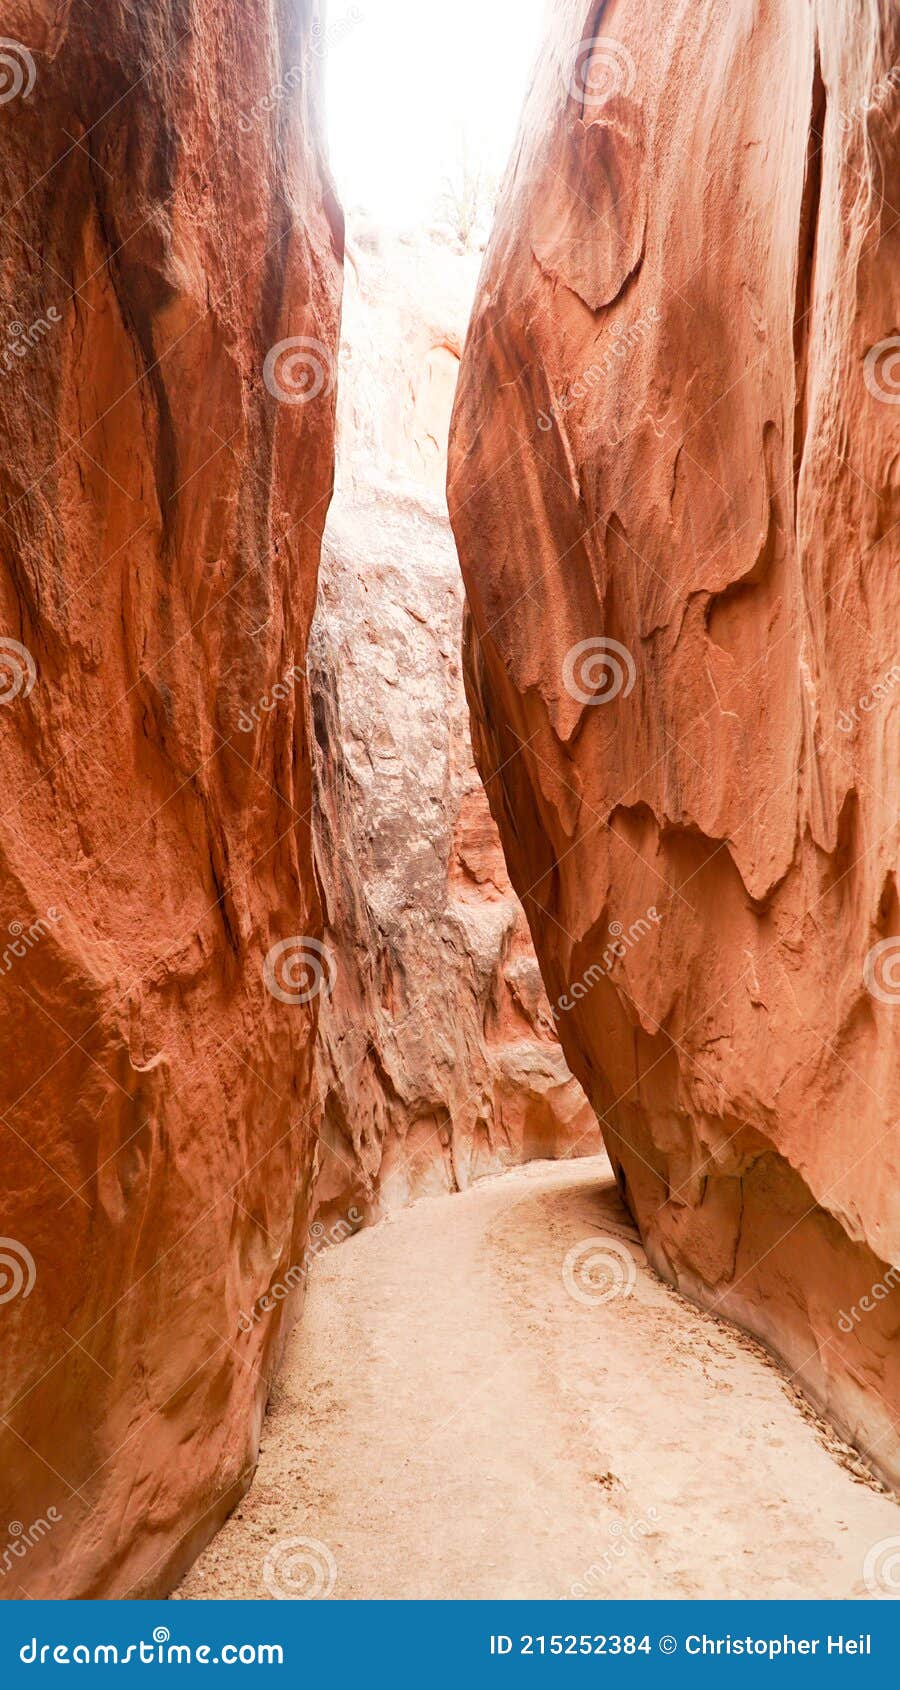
449 724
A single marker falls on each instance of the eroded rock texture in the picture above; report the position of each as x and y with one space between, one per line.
675 486
437 1053
166 220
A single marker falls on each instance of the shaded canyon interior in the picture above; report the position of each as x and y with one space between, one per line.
266 973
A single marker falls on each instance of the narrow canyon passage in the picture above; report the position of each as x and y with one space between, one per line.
456 1417
449 723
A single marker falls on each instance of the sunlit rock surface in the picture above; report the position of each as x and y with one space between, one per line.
438 1056
675 487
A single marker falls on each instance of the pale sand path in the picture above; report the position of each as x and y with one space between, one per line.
451 1422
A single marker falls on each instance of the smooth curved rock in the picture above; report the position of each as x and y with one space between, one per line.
167 220
675 487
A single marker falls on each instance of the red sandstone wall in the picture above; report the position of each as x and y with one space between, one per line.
675 487
166 221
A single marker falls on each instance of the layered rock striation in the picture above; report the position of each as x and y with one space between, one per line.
165 470
438 1056
675 488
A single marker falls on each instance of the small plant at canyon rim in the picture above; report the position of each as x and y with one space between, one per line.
298 370
881 972
882 371
17 70
298 969
600 68
18 670
468 197
300 1569
17 1270
587 662
598 1270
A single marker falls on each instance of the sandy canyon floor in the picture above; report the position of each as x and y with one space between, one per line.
453 1420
